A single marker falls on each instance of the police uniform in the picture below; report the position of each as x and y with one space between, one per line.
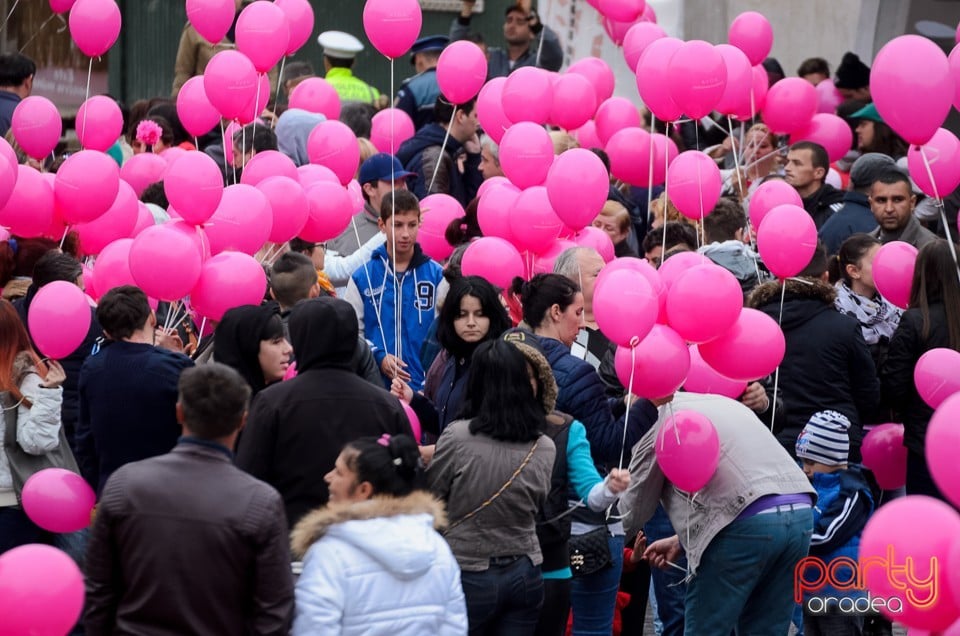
418 94
343 46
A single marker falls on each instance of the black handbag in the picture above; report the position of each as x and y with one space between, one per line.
23 465
590 552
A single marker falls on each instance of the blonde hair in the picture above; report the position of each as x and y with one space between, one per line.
367 150
615 211
562 141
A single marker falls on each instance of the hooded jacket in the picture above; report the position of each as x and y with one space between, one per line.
823 203
738 259
237 344
293 129
372 292
420 155
296 428
378 567
827 365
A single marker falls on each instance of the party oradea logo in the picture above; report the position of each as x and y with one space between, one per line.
840 585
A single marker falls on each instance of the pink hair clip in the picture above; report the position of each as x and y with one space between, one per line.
149 132
384 440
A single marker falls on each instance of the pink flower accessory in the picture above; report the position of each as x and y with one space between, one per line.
384 440
149 132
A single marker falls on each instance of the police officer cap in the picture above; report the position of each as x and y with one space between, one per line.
339 45
428 43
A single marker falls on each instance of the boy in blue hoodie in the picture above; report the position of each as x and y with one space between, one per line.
399 268
844 505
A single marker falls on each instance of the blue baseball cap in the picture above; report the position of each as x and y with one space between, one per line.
428 43
379 167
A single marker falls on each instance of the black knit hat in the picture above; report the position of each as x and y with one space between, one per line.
852 73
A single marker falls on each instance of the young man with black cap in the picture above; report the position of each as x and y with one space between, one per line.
853 78
418 94
521 27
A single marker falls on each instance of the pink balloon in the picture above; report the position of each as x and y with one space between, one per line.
912 65
242 221
533 222
676 265
494 210
266 164
893 272
626 307
736 93
659 364
574 101
694 183
617 30
935 375
165 262
141 170
654 79
885 455
941 437
59 319
831 132
615 114
112 268
586 136
390 128
94 25
698 78
288 203
754 331
528 95
99 123
194 109
758 95
144 219
942 153
172 154
577 185
702 378
622 10
228 280
333 144
330 212
230 83
116 223
688 450
828 97
491 182
195 233
490 109
316 95
8 181
7 152
36 126
356 196
787 240
211 18
598 73
41 590
770 195
300 20
638 38
633 264
291 371
258 102
493 259
194 186
461 71
526 154
704 302
413 419
891 538
309 174
392 25
86 185
544 262
262 34
58 500
596 239
61 6
437 210
751 33
790 105
629 151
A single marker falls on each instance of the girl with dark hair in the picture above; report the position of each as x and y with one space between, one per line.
373 561
471 314
932 321
493 469
857 295
251 340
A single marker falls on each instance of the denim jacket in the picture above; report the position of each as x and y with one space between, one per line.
752 465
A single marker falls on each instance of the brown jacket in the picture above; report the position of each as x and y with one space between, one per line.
186 543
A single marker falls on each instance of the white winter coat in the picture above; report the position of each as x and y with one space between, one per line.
377 567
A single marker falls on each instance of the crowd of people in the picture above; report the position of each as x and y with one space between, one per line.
387 445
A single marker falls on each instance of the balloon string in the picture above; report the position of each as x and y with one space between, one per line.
443 148
63 239
540 45
940 207
746 213
701 235
626 418
223 140
283 61
256 114
776 375
653 121
397 283
37 32
7 19
666 197
89 73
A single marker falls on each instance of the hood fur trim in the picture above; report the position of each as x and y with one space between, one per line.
769 293
544 373
314 526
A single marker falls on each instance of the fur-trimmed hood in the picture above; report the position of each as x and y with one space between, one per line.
804 299
325 521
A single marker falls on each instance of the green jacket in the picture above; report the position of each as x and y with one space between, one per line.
351 88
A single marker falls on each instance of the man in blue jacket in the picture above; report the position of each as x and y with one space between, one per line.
395 293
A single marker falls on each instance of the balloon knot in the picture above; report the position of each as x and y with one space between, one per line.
634 342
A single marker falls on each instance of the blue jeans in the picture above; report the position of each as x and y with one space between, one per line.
668 585
594 597
504 599
16 529
745 577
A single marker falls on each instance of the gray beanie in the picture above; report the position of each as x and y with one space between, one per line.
868 167
825 439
